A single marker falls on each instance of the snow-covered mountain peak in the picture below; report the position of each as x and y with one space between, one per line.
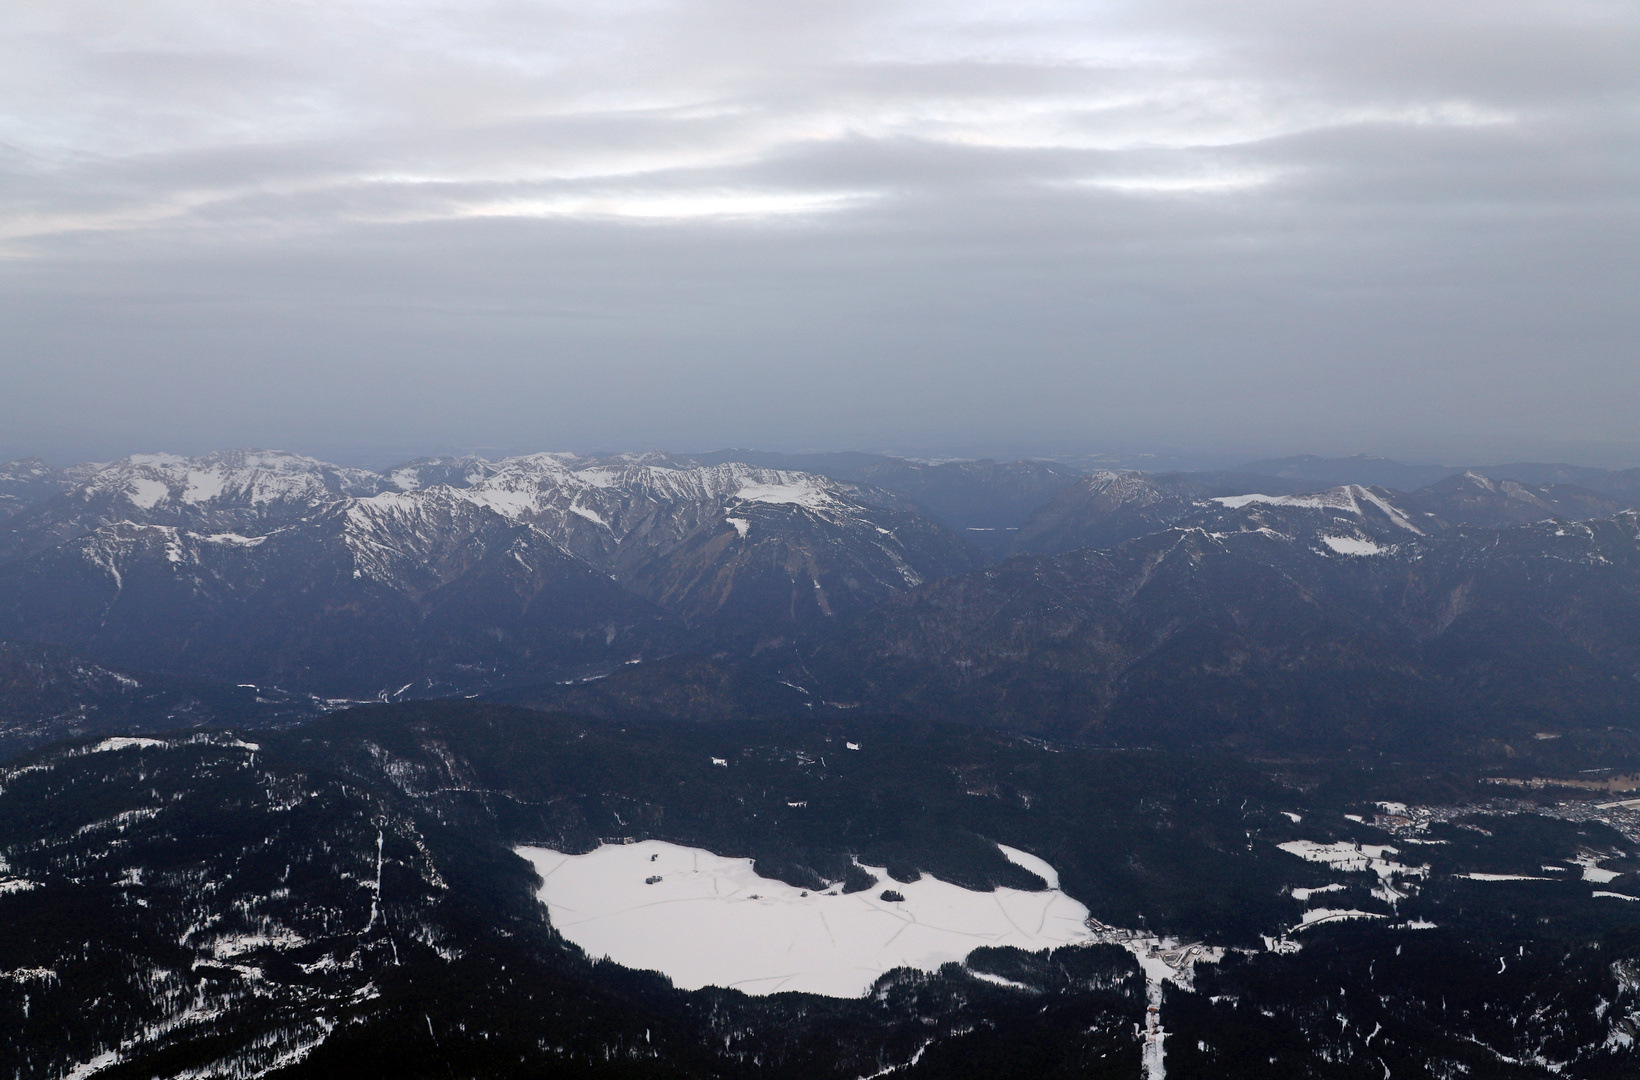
730 542
248 479
1474 479
608 491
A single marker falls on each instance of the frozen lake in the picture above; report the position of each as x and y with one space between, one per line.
712 921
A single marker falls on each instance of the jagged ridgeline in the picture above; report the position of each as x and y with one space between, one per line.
1482 614
441 577
345 896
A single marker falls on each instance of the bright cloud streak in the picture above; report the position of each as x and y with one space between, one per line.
118 106
681 205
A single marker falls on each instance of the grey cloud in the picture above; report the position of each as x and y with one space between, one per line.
1273 225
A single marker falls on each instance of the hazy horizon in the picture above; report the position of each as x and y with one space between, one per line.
1208 231
1156 460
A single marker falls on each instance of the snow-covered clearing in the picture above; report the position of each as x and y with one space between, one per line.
1355 857
129 742
1303 895
122 742
1352 545
1592 870
1327 915
713 921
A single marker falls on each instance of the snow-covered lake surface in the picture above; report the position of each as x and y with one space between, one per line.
712 921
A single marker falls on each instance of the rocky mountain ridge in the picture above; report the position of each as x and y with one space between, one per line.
1197 607
265 567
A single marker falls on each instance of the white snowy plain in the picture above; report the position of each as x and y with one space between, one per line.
713 921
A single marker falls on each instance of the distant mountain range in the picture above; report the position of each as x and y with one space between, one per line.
1311 472
445 574
1348 617
1106 509
1228 607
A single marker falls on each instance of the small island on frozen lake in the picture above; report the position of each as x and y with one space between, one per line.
705 920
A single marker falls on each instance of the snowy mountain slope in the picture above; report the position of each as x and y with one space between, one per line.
1106 508
1349 520
728 543
1468 500
536 564
364 596
771 565
619 514
272 567
230 490
982 501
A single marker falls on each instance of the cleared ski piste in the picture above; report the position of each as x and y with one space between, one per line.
713 921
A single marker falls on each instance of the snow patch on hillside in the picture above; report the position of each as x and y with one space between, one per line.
1348 499
800 492
122 742
1352 545
590 515
145 492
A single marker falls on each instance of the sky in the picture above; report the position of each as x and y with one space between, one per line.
376 228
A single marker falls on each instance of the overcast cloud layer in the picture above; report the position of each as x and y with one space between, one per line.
941 226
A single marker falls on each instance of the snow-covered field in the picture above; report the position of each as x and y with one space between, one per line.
712 921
